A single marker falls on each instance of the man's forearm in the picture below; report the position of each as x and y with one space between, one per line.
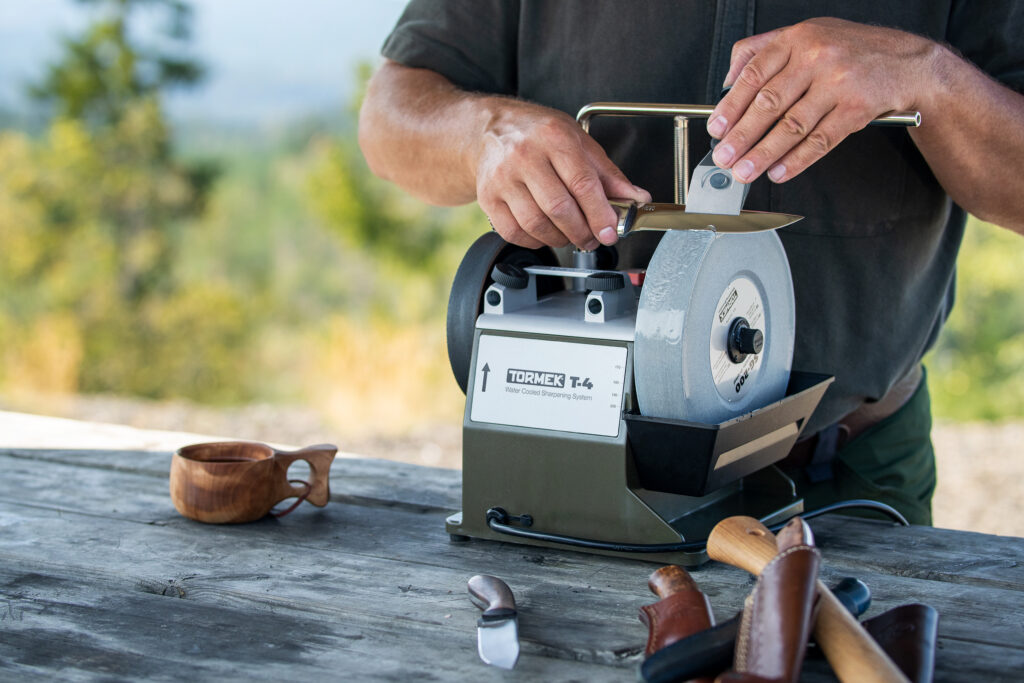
415 129
540 178
972 136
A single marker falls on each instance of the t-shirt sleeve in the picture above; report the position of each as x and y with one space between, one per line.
470 42
991 35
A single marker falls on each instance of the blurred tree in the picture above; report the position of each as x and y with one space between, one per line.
105 71
109 81
92 218
415 248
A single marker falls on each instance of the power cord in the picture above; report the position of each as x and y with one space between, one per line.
498 520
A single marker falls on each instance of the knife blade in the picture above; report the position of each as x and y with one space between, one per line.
634 216
497 629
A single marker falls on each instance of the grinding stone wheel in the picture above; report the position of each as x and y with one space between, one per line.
471 281
698 285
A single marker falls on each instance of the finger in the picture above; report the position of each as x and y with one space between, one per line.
613 180
559 195
790 130
754 75
743 51
505 224
829 132
614 185
531 219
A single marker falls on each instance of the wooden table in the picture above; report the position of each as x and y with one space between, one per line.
100 578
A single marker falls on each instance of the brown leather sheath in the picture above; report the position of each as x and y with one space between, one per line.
907 634
682 611
779 614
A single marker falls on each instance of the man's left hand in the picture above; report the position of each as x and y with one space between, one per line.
800 90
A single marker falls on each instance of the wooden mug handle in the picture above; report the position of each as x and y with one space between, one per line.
853 654
319 458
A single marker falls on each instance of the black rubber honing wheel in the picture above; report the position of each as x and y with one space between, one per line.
472 279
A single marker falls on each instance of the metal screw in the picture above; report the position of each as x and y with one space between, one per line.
719 181
594 305
493 298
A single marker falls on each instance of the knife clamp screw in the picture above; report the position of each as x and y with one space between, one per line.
719 180
493 298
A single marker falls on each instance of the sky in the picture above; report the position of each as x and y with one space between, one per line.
267 60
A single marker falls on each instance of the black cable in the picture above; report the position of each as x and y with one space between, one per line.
856 503
498 518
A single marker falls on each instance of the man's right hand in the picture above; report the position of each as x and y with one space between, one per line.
539 178
542 181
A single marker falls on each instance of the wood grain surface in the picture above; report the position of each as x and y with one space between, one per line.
100 578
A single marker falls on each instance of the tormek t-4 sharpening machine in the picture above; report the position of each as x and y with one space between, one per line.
627 412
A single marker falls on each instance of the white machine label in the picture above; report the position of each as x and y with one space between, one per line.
564 386
741 299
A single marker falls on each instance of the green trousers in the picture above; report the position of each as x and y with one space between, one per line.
892 462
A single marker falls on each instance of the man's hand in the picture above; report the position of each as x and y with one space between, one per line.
539 178
542 181
798 91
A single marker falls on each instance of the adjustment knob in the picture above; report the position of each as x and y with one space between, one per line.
604 282
510 275
744 340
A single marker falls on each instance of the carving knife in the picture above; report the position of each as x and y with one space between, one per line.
634 216
497 631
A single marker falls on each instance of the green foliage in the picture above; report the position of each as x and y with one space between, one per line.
976 369
90 223
413 247
105 71
92 218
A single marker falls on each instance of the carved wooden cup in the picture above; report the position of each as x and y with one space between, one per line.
239 481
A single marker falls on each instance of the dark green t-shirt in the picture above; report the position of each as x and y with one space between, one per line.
873 262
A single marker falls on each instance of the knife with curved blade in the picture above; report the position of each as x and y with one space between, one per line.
497 630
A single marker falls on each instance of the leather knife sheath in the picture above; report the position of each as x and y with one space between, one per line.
907 634
682 611
779 614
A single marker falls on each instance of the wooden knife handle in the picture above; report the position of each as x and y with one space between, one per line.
671 580
746 543
491 594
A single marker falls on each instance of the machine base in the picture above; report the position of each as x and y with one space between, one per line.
768 495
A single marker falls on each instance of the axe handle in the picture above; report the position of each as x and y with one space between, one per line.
746 543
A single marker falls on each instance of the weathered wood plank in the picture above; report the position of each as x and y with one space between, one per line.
280 570
81 632
358 479
149 496
103 523
581 599
916 552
